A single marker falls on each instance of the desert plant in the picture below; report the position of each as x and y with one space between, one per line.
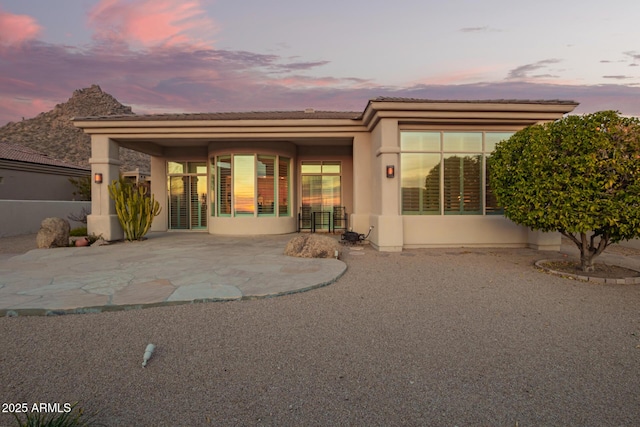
75 417
579 175
134 208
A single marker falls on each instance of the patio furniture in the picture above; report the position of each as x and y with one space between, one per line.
340 218
304 218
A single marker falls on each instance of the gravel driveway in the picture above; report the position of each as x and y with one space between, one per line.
444 337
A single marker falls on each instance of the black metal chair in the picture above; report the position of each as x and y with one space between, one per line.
340 218
304 218
321 219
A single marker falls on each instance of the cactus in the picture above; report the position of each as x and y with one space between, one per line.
134 208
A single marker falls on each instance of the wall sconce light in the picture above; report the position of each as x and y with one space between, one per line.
391 171
97 178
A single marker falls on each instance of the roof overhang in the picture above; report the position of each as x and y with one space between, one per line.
507 112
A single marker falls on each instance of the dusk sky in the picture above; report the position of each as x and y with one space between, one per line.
241 55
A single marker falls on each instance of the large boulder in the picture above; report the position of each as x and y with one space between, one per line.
312 246
53 233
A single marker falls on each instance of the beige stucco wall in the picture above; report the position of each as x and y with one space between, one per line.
250 226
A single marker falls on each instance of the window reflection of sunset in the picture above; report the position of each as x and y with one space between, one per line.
253 190
416 167
331 191
244 184
266 185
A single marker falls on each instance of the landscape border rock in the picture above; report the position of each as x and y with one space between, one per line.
313 246
608 280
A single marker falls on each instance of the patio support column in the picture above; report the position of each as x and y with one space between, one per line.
105 159
362 188
388 234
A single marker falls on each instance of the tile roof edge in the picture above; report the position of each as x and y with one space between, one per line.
39 158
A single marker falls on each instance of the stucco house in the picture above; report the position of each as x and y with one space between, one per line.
415 169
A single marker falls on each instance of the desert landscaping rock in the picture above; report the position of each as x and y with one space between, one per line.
313 246
53 233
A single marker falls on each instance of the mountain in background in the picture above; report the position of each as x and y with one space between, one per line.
53 134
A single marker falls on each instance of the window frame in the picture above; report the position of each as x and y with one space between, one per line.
414 147
216 182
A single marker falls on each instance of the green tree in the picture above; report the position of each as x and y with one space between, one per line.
83 187
579 175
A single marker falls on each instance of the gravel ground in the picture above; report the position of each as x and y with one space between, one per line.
12 245
446 337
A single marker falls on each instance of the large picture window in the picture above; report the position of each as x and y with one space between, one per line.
446 173
252 185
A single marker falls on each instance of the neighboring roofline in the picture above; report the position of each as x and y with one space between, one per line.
43 168
24 156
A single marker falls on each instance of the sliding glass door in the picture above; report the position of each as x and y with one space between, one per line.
187 187
321 192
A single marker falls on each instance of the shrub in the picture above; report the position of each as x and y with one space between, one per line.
76 417
78 232
579 175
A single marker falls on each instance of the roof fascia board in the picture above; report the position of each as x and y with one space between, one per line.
229 135
90 125
214 132
461 112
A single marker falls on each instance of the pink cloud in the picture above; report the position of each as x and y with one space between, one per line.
173 79
151 23
14 108
300 82
17 29
465 76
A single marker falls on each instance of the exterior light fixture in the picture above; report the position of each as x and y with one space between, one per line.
97 178
391 171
